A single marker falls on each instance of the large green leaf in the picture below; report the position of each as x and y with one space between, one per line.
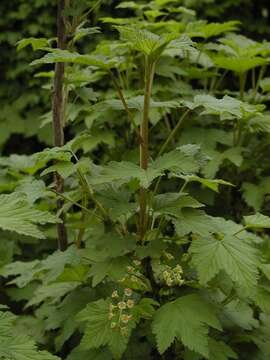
237 257
148 43
46 270
98 331
227 107
65 56
185 160
16 214
122 172
239 64
172 203
185 319
197 222
20 347
137 103
204 30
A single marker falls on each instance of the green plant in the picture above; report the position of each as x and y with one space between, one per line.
164 195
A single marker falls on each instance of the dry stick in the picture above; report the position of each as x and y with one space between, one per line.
144 151
58 110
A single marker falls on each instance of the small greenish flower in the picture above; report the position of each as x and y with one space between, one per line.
128 292
169 281
134 279
126 318
112 307
169 256
179 269
113 325
124 331
122 305
115 294
130 269
130 304
180 281
166 274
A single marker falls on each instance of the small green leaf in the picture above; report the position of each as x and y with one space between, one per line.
265 84
220 351
35 43
257 221
209 183
241 314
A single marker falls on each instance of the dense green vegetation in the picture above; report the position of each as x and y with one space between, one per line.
134 180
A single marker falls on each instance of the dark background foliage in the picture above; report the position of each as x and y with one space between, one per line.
20 99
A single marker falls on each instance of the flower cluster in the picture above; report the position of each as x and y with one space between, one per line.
120 310
173 275
134 277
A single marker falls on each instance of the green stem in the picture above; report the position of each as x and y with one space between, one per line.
183 186
125 105
241 230
58 110
253 80
242 84
64 197
218 83
88 189
83 227
168 140
173 132
144 150
261 74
